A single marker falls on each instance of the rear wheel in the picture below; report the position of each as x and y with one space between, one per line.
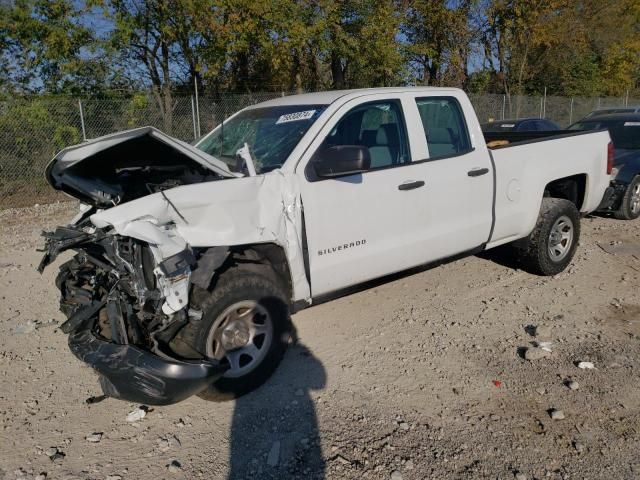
549 249
245 324
630 204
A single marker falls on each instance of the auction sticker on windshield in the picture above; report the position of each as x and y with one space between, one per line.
296 116
626 124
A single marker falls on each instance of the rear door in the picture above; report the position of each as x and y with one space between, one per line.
459 176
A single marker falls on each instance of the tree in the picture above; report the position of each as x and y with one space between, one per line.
45 47
156 46
437 41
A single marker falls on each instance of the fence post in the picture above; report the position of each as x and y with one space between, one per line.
544 103
193 116
195 81
541 104
571 112
84 132
504 103
626 99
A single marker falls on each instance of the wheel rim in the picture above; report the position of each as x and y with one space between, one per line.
241 337
634 199
560 238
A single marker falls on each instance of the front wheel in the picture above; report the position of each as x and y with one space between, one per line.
630 205
549 249
245 325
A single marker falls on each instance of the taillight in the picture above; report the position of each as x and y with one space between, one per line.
609 158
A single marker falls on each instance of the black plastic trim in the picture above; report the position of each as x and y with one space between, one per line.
130 373
411 185
493 204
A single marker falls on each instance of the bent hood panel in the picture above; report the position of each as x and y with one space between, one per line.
86 171
247 210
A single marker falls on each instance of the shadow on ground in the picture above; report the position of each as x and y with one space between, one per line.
274 431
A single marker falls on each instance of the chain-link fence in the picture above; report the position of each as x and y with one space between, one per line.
33 129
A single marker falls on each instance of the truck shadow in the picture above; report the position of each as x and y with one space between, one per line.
274 430
503 255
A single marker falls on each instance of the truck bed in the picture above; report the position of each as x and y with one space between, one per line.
524 169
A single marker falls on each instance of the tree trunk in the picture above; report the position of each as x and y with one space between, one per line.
337 73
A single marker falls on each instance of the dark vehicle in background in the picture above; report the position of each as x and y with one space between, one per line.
609 111
521 125
623 196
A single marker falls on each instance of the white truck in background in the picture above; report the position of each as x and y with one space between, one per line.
190 259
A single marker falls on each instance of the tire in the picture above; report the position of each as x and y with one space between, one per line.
630 204
256 292
549 249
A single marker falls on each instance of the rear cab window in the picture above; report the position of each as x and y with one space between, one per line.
444 127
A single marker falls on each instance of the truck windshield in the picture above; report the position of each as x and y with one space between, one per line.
624 133
271 133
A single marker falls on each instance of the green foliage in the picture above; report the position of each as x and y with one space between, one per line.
571 47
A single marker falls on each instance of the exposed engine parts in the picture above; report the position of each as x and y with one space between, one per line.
114 294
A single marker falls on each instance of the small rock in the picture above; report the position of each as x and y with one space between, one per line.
546 346
556 414
25 328
273 458
408 465
174 466
137 414
586 365
113 477
396 475
41 476
535 353
578 446
520 476
541 390
572 385
404 426
51 451
94 437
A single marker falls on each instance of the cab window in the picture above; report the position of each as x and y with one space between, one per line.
379 126
444 126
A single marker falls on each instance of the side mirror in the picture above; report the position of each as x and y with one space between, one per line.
342 160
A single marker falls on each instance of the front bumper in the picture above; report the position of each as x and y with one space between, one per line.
130 373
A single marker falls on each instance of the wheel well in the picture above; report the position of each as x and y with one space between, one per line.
570 188
267 255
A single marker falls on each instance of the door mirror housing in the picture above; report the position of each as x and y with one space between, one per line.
342 160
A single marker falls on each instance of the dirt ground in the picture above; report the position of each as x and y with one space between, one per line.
423 376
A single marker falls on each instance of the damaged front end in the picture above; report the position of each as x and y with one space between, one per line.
125 300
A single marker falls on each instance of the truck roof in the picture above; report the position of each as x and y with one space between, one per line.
330 96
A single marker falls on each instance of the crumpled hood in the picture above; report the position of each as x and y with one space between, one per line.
97 171
243 211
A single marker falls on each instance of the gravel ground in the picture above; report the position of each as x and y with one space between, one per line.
424 376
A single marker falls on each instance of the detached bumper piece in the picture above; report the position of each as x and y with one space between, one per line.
130 373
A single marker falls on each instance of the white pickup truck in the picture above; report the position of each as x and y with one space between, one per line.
189 259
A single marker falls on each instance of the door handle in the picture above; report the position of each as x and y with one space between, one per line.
476 172
411 184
